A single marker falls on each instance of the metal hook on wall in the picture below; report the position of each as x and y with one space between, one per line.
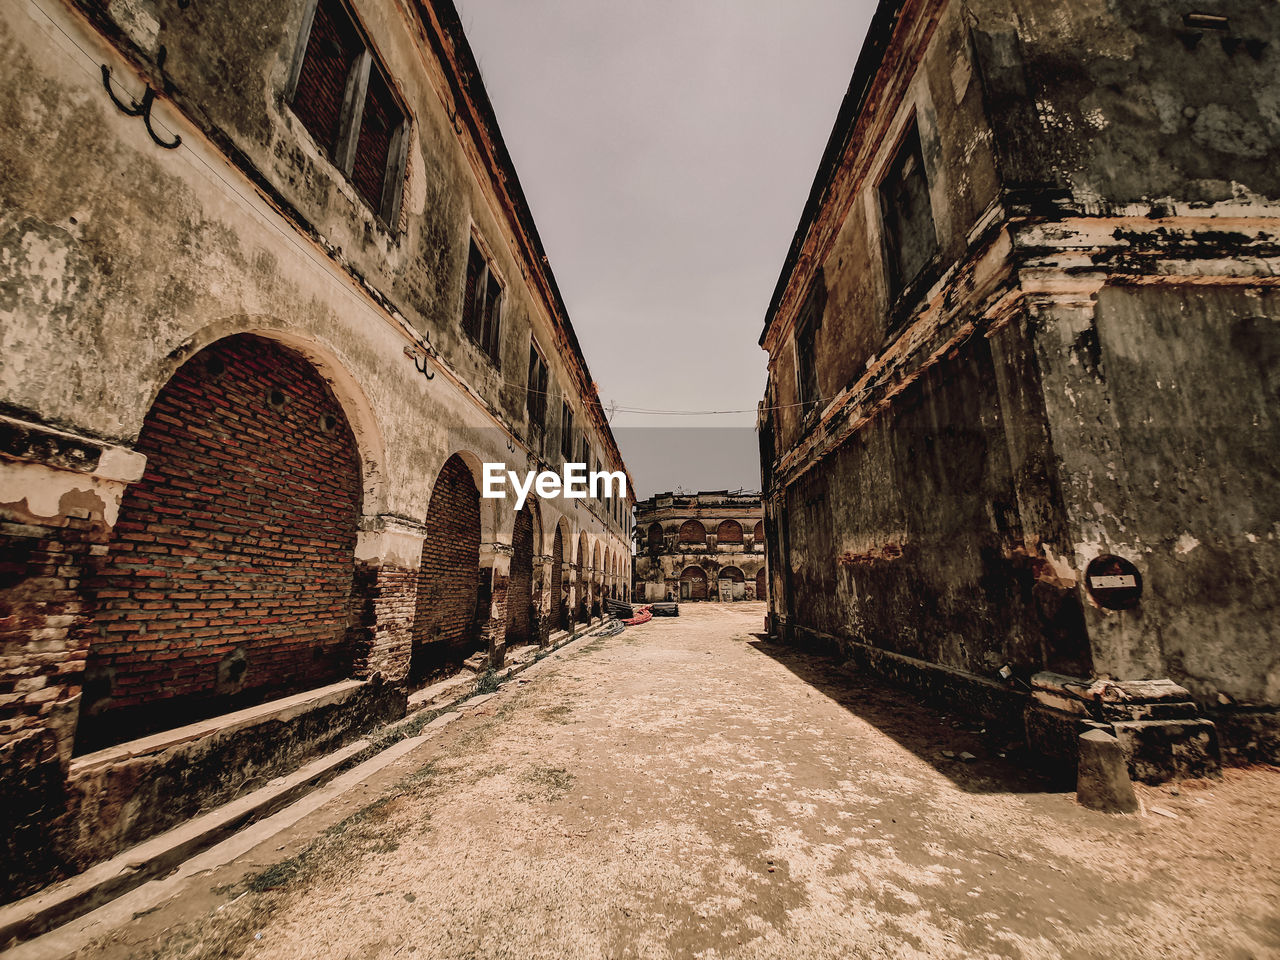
421 362
142 109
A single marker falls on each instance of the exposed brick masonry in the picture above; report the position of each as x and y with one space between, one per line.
520 584
229 578
444 626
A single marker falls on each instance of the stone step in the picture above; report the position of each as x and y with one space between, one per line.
64 901
1159 750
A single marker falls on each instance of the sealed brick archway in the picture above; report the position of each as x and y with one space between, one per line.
693 583
229 579
444 623
559 609
520 620
729 531
691 531
582 611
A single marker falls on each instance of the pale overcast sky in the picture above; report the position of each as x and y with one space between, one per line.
666 149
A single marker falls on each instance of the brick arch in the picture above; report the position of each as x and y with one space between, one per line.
732 573
692 531
332 367
229 578
696 577
444 621
492 510
762 584
520 618
560 608
654 536
597 575
757 532
582 561
729 531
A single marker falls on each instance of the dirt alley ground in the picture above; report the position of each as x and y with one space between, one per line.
687 789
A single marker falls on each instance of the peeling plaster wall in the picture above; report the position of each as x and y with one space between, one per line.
1193 375
944 98
910 536
1088 367
1070 84
121 263
120 260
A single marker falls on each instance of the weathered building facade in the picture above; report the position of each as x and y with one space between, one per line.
699 546
259 330
1020 440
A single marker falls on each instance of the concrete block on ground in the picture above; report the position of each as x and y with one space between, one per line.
1102 774
1160 750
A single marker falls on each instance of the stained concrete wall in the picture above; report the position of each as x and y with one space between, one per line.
1070 85
1188 486
127 258
120 260
1087 367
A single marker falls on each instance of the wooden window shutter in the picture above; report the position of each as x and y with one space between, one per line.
491 340
470 307
333 47
378 128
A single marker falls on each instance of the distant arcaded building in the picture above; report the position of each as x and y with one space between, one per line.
700 546
1020 436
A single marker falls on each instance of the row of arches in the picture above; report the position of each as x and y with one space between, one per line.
695 532
231 574
452 601
730 583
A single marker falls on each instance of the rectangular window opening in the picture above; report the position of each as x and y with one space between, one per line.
536 397
566 432
482 305
806 353
342 96
910 239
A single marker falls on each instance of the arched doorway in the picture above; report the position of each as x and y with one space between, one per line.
757 533
731 584
762 585
693 583
654 537
229 579
444 622
691 531
559 609
729 531
520 622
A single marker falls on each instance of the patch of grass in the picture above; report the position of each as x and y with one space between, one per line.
487 682
388 736
560 713
553 782
353 836
277 875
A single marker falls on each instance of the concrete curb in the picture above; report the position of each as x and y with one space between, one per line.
76 896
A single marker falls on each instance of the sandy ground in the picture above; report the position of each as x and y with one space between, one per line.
687 789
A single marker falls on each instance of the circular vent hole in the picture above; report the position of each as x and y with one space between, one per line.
276 398
215 366
328 422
